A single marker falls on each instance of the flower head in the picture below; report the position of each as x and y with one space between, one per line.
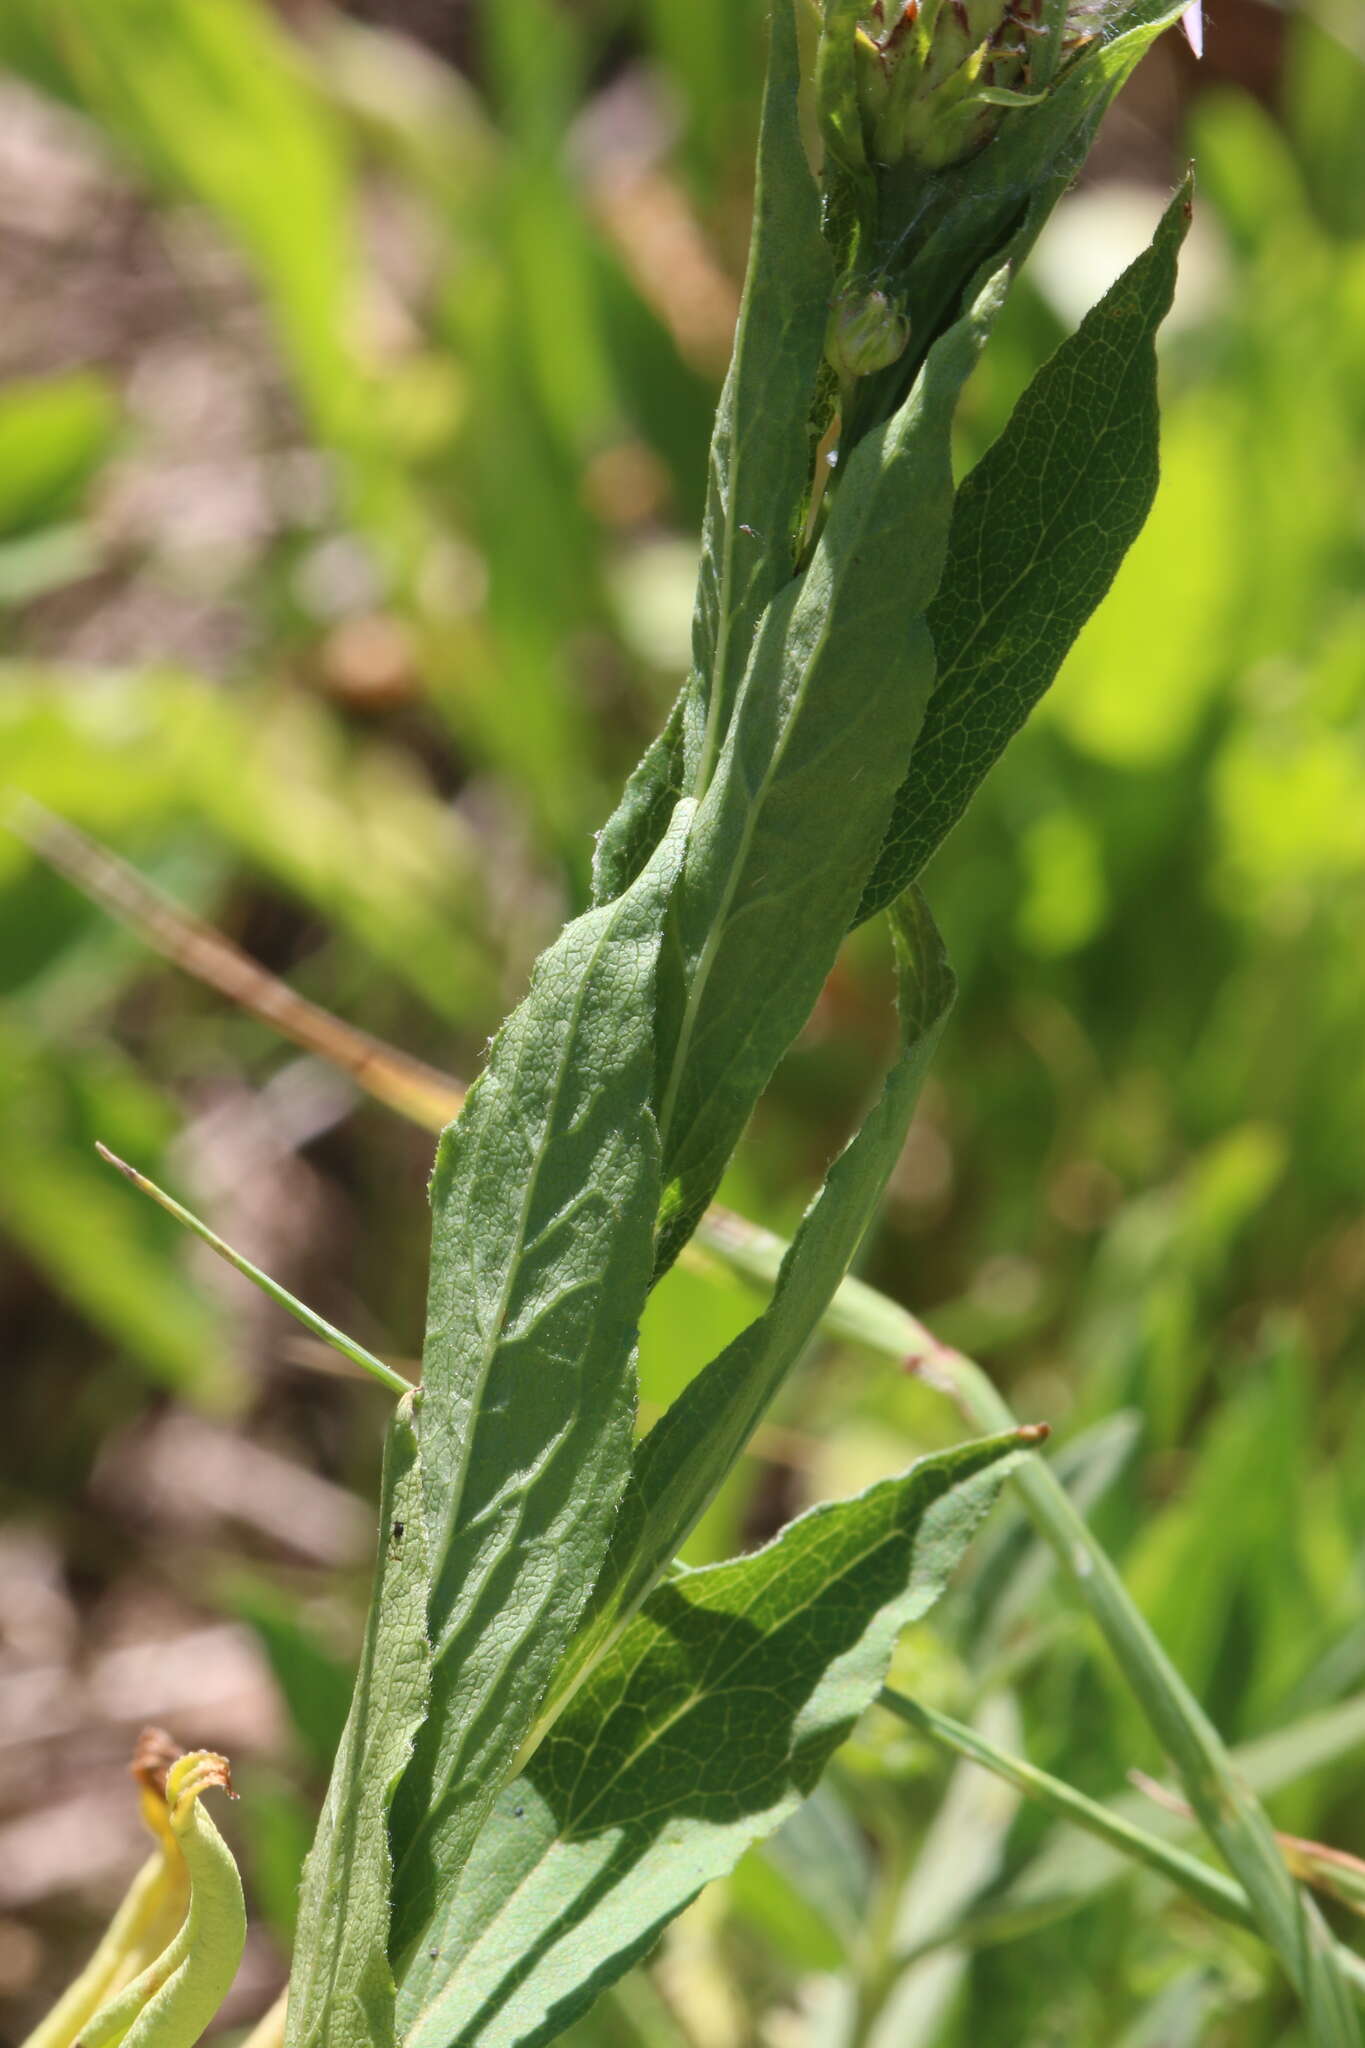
933 77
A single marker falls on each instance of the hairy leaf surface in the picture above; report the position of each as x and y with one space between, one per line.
706 1726
544 1198
828 713
341 1988
1039 530
760 467
760 456
688 1453
641 818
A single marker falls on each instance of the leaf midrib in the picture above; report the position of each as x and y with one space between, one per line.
714 1684
989 612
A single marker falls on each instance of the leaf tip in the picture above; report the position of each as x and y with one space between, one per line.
1031 1433
112 1159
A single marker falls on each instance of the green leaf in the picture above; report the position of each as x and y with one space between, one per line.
1181 2013
759 470
1070 1869
55 432
341 1989
216 103
789 827
1127 1842
1218 1789
544 1198
1039 530
314 1684
760 454
641 818
111 1260
1287 1919
704 1729
688 1453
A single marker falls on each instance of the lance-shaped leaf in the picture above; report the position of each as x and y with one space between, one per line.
760 469
790 826
544 1198
341 1989
705 1727
1039 530
761 459
688 1453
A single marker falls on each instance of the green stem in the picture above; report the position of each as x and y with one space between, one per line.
1208 1887
1218 1893
1228 1811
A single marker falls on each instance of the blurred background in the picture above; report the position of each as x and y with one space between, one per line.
358 368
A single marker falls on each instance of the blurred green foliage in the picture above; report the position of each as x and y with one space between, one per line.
497 312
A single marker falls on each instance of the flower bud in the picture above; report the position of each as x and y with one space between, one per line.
867 332
935 76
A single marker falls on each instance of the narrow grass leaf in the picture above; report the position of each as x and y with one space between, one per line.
1039 530
1133 1844
544 1198
1286 1918
108 1255
1069 1870
341 1989
704 1729
1219 1792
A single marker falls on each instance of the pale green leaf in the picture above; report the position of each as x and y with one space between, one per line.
55 432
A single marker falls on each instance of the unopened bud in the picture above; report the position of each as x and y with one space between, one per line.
867 332
935 76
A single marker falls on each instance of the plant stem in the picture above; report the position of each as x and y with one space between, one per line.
1228 1811
1207 1886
